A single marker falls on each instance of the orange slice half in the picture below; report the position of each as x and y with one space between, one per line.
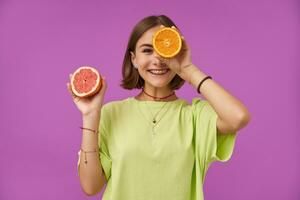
167 42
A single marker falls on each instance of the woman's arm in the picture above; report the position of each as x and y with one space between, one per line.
232 114
92 178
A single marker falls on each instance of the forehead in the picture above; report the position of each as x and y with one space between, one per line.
146 38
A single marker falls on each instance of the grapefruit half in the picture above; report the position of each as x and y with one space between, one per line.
86 81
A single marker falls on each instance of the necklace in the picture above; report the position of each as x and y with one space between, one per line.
154 116
157 98
154 121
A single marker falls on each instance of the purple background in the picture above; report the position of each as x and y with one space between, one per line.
251 48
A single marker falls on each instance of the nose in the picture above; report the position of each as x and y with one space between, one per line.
157 57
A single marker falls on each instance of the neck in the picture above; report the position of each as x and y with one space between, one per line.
157 94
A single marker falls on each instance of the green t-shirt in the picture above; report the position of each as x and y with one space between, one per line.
168 163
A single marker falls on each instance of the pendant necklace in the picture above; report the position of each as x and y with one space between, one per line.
154 120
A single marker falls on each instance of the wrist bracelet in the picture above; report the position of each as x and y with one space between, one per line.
92 130
198 89
85 152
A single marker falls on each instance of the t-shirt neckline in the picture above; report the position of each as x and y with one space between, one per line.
154 102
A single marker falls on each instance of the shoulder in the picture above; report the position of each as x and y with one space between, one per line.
200 104
196 107
197 103
201 108
112 110
115 105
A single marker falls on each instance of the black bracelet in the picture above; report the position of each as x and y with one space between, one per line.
198 89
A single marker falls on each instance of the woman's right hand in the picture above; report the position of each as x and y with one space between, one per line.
89 105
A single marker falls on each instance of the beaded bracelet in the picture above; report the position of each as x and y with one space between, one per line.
85 152
92 130
198 89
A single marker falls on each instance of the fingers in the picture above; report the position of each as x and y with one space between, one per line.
184 45
69 89
74 97
178 32
69 86
162 26
104 85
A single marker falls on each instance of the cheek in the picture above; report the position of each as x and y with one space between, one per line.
143 60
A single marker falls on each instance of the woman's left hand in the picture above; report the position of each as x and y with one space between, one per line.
181 60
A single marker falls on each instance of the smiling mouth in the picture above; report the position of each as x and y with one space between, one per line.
158 71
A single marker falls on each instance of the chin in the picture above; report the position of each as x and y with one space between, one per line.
159 84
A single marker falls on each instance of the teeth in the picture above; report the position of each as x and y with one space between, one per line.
158 71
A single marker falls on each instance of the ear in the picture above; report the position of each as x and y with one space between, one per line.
132 57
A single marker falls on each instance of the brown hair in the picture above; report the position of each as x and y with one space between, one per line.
131 76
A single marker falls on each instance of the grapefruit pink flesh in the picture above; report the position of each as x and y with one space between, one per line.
86 81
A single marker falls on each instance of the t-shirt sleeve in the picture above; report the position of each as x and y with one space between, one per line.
210 146
104 154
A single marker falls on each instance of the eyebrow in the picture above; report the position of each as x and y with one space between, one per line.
147 45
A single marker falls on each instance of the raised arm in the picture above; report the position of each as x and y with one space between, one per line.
232 114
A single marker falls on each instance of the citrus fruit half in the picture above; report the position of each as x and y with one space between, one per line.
85 81
167 42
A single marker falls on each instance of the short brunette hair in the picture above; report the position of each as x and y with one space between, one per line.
131 77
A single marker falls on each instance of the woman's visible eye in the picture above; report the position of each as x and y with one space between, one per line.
147 50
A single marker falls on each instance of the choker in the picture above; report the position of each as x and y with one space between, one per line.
157 98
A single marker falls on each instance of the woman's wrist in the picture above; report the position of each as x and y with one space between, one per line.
91 120
91 114
195 77
188 72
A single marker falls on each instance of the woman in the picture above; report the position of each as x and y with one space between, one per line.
155 145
